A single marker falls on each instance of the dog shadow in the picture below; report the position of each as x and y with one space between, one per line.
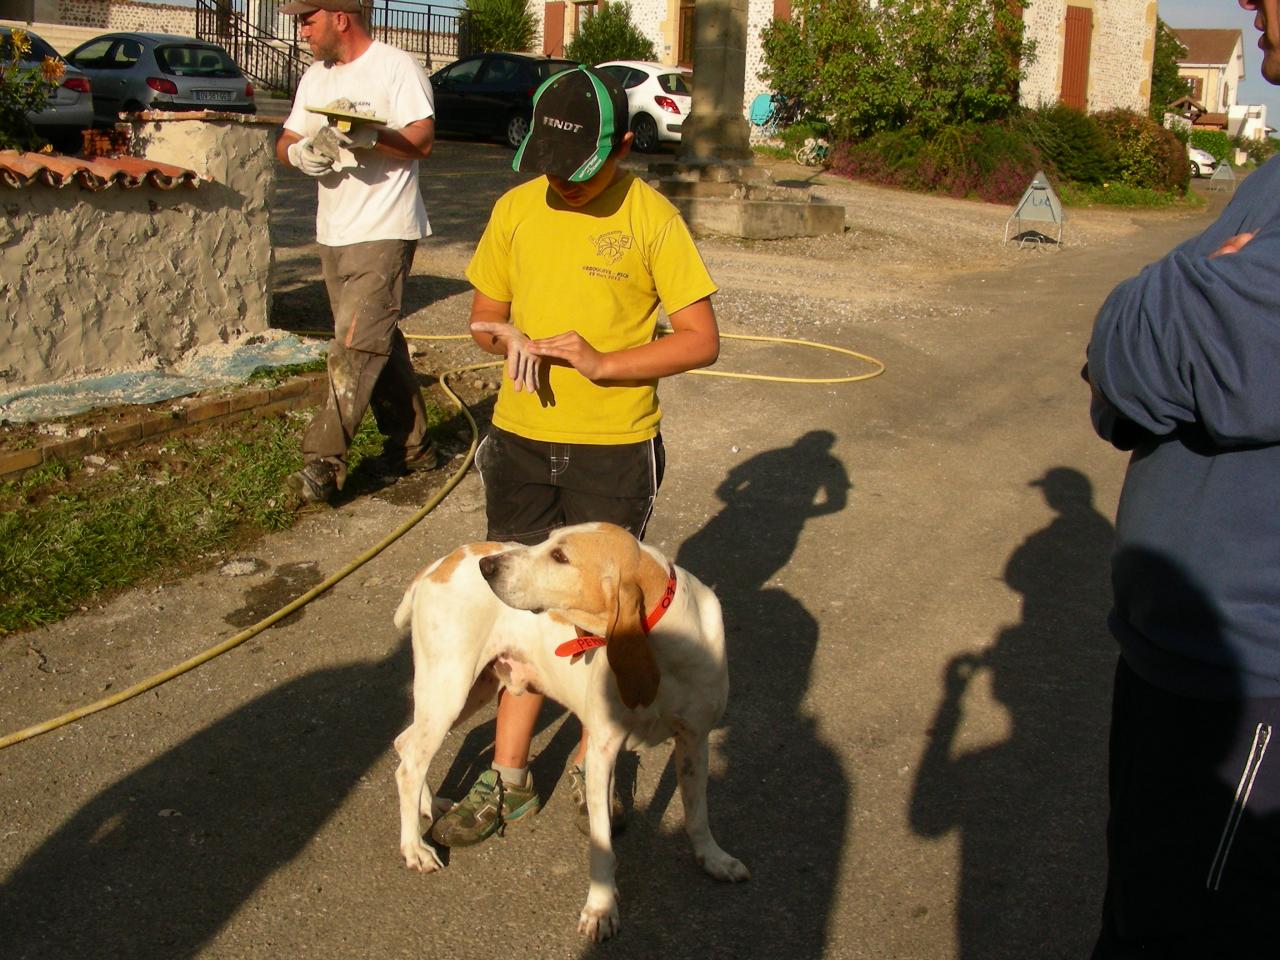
155 865
1030 809
783 805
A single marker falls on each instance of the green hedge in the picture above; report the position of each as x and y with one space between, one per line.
1212 141
1108 155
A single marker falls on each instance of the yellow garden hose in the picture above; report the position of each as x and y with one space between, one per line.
247 634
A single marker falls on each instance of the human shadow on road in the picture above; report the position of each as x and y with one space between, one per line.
782 804
1030 809
156 864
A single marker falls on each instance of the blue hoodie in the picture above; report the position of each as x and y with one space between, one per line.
1185 367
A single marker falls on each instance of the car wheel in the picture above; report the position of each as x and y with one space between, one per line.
646 133
516 130
1195 169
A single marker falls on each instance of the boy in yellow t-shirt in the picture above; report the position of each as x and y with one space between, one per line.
569 278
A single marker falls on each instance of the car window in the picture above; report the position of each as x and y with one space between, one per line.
124 56
500 70
680 84
547 68
634 78
464 71
192 60
618 73
37 50
92 54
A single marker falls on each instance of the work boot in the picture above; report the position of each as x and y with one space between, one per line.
316 482
577 778
489 806
392 464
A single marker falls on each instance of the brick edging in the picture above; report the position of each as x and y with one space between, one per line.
195 413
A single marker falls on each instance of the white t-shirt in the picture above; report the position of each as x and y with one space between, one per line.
379 200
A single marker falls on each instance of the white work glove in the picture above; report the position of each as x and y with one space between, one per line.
362 137
522 365
303 155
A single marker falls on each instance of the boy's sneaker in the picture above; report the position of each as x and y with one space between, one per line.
489 806
315 483
577 778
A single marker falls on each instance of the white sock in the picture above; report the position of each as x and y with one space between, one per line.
512 776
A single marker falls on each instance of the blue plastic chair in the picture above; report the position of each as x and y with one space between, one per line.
761 109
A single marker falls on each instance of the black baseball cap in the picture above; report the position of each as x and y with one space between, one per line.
298 8
579 118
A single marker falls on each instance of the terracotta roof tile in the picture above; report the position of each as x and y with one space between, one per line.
19 170
1208 46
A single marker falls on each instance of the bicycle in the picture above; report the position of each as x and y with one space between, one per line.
813 152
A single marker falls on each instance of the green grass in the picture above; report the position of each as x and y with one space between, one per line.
270 376
1122 195
67 534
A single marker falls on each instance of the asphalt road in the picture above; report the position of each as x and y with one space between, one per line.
914 574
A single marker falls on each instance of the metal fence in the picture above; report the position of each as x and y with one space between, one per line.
265 44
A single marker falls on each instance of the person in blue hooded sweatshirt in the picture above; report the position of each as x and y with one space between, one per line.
1184 363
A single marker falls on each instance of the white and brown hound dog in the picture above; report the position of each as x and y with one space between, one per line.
490 615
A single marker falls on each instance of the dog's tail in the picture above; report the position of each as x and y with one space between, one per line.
404 612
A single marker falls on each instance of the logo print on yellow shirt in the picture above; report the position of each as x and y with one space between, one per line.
612 245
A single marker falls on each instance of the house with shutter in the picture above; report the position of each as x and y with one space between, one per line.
1092 55
1214 67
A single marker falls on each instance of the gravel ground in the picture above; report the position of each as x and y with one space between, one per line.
913 572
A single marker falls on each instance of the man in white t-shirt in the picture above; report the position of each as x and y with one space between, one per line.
369 219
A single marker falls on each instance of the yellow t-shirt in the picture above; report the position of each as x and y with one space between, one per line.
602 270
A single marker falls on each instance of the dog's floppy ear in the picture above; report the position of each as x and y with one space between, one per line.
630 656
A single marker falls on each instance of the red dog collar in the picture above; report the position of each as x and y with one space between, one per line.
580 645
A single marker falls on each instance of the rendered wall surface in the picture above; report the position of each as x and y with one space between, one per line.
97 282
1120 54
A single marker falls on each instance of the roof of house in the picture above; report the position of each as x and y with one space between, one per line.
24 169
1208 46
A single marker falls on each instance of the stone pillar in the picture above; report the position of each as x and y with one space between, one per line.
717 132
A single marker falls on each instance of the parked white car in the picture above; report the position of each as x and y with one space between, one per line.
659 99
1202 162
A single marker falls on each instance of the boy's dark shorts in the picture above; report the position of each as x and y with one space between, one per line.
532 487
1193 840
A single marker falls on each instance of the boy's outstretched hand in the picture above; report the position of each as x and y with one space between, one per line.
571 348
522 363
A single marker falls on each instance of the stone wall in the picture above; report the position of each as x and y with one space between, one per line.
1120 54
123 15
98 282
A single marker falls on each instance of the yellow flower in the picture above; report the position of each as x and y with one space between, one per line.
21 43
52 70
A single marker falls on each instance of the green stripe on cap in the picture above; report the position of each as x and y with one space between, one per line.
604 142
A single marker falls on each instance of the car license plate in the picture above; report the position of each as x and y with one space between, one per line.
215 95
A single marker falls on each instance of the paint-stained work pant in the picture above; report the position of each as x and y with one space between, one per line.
369 358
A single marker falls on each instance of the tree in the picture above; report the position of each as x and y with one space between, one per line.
24 88
1166 85
500 25
610 35
919 63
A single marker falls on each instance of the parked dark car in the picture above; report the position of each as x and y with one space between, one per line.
160 71
69 109
491 94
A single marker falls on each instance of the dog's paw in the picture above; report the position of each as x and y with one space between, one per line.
724 867
419 856
599 923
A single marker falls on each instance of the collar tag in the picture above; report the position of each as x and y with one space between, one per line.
578 646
